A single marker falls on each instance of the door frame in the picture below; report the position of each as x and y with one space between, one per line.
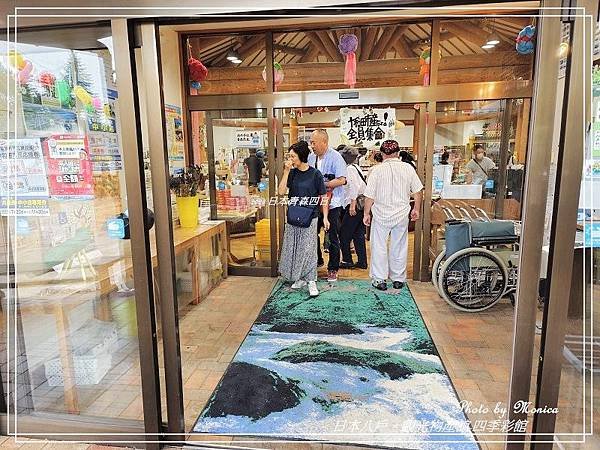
424 96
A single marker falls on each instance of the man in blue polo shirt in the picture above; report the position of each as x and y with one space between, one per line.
333 167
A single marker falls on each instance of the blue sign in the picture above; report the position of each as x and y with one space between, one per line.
591 235
115 228
439 185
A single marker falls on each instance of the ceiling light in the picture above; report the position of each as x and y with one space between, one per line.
487 46
493 39
233 56
236 61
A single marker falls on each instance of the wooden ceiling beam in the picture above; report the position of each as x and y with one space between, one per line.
330 46
390 35
289 50
372 33
470 32
316 42
404 48
310 55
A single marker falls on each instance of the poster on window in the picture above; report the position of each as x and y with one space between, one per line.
174 128
23 182
367 127
69 165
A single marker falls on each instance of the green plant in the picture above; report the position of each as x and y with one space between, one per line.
187 182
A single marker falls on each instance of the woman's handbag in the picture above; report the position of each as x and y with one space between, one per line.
300 216
360 200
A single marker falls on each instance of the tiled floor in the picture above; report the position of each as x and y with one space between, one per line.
475 349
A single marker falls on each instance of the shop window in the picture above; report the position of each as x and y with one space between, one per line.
226 64
62 194
484 49
471 148
385 55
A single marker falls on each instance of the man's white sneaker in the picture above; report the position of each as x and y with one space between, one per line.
312 289
299 284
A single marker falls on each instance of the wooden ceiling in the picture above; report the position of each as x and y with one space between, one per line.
457 37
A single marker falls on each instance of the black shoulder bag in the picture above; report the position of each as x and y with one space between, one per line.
300 215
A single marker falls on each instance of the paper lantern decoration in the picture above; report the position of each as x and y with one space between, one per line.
47 79
25 72
16 60
347 47
278 74
97 103
63 92
524 40
83 95
196 69
424 62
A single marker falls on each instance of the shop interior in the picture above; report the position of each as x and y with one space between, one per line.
77 316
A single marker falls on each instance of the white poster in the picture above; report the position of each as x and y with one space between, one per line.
247 139
367 127
23 182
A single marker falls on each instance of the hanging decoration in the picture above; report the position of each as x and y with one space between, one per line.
424 62
347 47
63 92
524 41
82 95
277 74
196 70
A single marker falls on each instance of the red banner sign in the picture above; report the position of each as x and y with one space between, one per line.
69 165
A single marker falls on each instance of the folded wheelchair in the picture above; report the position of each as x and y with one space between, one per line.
479 263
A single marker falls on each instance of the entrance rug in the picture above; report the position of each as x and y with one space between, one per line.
353 365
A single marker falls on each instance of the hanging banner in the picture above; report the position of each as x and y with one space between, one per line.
69 165
247 139
23 182
367 127
174 129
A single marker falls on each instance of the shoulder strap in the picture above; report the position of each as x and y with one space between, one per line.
362 177
481 167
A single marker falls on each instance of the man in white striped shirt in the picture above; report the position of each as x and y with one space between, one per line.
389 188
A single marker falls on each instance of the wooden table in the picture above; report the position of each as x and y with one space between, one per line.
64 300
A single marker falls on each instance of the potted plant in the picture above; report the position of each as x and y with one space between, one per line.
185 184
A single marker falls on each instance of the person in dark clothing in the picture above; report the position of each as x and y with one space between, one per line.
444 158
353 228
254 166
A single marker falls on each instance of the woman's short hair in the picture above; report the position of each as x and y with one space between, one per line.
301 149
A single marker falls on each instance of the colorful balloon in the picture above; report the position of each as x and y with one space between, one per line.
25 72
97 103
16 60
83 95
63 92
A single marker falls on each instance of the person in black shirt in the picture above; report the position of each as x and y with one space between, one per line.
254 166
305 186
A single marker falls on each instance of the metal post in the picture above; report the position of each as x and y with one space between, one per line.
426 241
159 165
534 208
504 152
420 131
131 140
562 237
271 151
210 156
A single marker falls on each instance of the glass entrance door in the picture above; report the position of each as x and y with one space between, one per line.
237 151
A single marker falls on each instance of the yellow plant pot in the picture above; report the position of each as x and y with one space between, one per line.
188 211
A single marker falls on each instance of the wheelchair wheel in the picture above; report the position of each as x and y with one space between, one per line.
437 266
473 279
